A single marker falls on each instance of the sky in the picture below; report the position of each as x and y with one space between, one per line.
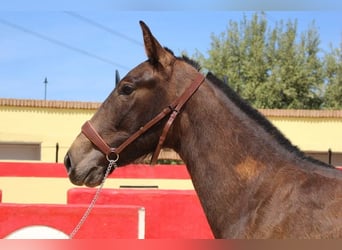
78 50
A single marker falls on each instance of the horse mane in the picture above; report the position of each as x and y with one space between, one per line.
260 119
187 59
192 62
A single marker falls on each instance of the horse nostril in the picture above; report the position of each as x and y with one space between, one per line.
67 162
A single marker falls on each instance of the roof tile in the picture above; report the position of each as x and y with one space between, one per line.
94 105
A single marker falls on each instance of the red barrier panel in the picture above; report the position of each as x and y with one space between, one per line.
105 221
35 169
0 195
32 169
169 213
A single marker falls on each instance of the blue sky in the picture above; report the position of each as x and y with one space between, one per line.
80 59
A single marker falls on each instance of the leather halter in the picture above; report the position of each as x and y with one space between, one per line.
173 109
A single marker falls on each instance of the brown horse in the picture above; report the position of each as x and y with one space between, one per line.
251 181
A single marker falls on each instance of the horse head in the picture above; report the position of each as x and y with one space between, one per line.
136 99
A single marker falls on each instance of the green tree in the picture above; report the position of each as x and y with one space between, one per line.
333 74
269 67
238 55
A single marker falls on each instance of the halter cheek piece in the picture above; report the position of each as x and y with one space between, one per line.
112 154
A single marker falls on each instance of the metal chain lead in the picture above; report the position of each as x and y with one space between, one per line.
111 164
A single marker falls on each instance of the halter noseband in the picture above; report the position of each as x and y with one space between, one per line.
173 109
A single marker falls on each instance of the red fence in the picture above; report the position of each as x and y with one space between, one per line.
104 221
167 213
26 169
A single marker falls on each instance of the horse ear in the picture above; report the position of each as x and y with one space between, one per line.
117 77
154 51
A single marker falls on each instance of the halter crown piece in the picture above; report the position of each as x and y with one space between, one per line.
173 110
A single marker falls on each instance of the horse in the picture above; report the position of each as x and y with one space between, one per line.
251 181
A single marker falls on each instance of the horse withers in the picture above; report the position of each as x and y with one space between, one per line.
251 181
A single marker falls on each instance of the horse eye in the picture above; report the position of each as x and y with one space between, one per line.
127 89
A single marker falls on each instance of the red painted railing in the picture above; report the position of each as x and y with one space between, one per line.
104 222
168 213
31 169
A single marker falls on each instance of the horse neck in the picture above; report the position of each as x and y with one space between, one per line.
225 152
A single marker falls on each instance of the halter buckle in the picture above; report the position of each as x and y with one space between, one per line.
111 154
